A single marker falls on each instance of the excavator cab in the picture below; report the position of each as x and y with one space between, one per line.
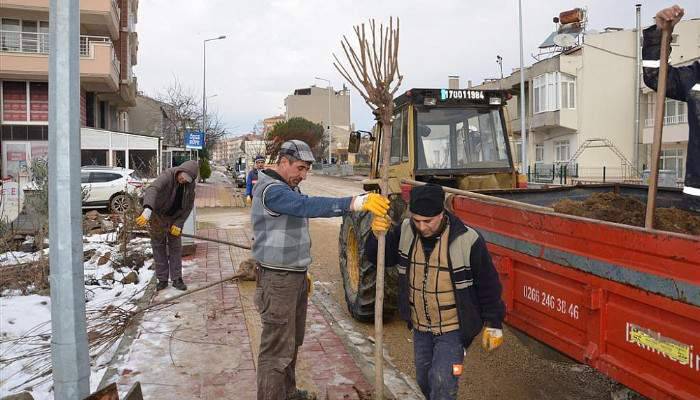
455 137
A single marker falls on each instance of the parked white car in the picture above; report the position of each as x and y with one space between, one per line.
106 187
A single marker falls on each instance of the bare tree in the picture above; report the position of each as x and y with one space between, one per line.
183 111
375 75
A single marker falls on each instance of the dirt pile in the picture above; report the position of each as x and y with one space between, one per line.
613 207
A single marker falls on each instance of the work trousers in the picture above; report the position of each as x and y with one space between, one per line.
167 250
281 299
439 360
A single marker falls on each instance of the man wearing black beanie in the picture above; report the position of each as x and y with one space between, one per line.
449 290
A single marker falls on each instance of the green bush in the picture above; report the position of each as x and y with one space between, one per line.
204 170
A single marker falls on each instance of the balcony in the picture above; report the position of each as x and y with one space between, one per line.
566 119
24 55
675 129
99 16
668 120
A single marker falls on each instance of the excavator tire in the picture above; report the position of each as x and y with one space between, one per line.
359 274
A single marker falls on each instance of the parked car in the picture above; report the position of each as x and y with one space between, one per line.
240 178
107 187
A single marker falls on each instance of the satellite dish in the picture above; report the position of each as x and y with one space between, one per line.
564 40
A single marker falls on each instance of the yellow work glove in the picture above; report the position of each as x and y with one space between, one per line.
491 338
372 202
248 200
380 225
142 220
175 231
310 285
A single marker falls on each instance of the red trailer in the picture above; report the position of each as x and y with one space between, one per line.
619 298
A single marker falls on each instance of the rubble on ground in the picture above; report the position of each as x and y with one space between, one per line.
114 282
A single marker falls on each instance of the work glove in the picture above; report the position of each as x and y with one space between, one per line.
175 231
248 200
380 225
372 202
310 285
142 220
491 338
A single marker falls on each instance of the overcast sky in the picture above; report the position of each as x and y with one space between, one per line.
274 47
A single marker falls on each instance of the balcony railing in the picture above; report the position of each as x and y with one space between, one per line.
668 120
38 43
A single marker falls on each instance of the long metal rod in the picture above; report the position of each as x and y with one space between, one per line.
658 128
637 87
523 115
240 246
330 138
204 88
70 359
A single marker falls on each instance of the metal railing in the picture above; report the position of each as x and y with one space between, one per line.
668 120
87 41
24 42
38 43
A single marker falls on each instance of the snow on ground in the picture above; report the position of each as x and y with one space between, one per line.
31 315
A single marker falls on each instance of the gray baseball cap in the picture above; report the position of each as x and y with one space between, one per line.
297 149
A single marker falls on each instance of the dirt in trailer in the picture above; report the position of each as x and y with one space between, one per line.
613 207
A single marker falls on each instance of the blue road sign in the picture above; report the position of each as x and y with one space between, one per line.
194 140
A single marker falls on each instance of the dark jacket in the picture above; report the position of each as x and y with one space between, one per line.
682 84
160 195
477 304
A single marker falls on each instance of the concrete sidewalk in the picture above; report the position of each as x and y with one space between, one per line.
204 346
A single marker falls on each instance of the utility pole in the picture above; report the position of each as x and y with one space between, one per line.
204 83
330 141
70 359
523 116
636 158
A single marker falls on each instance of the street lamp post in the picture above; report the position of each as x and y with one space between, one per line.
330 142
204 82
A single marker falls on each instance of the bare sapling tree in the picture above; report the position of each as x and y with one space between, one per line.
374 72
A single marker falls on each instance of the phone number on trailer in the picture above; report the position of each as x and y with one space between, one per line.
550 301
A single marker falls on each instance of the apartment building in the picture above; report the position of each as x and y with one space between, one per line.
320 105
580 104
108 51
270 122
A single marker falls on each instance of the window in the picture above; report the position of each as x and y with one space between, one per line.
101 177
568 91
553 91
93 157
14 101
26 36
672 159
561 151
460 138
518 151
675 112
25 101
399 138
539 153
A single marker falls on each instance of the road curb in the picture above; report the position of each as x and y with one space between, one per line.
396 384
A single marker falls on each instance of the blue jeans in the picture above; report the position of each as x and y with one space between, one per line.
435 356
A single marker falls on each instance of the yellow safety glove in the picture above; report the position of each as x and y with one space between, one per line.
309 284
142 220
491 338
372 202
175 231
380 225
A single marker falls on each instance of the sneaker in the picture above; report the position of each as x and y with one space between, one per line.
161 285
179 284
302 395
